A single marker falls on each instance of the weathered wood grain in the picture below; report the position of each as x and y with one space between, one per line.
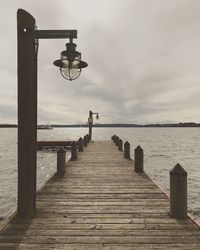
101 203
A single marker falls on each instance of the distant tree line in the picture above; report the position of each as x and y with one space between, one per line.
117 125
127 125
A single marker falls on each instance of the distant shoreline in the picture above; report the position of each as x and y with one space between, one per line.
119 125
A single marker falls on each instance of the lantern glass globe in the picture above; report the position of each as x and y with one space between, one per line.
70 73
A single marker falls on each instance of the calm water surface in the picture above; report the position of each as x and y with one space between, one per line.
163 148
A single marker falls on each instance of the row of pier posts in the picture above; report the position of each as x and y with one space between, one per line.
75 148
27 200
178 179
139 157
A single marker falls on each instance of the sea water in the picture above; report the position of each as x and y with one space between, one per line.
163 148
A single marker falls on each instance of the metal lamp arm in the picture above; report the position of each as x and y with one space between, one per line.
55 34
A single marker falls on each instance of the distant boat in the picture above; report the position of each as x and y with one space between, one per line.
44 126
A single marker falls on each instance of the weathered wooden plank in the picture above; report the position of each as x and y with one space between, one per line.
187 246
95 231
98 239
96 219
123 226
105 196
126 192
74 202
103 210
106 185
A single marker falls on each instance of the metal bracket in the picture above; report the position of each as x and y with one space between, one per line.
55 34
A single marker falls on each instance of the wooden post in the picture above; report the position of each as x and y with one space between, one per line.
80 144
113 138
73 151
127 150
116 141
27 114
61 158
88 138
178 192
85 141
139 159
120 145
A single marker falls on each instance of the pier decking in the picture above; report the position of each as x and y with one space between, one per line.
101 203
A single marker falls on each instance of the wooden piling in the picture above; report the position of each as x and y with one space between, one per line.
61 158
85 141
120 145
80 144
127 150
178 192
113 138
88 138
139 159
116 141
74 155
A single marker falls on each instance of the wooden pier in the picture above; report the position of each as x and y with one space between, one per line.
101 203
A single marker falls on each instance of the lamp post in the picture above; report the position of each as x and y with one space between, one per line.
90 122
28 37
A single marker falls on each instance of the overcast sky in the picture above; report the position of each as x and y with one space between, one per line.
143 60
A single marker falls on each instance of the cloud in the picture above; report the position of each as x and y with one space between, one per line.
143 58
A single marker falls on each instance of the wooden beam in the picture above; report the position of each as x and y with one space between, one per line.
54 143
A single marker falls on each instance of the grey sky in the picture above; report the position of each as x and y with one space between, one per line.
143 56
